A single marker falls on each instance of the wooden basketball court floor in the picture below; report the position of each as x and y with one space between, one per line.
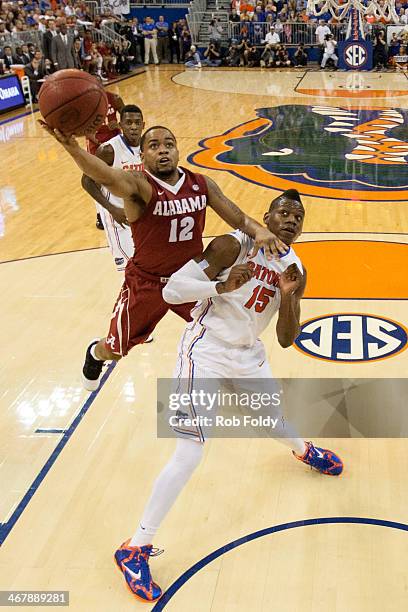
76 469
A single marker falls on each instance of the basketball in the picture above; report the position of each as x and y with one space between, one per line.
73 102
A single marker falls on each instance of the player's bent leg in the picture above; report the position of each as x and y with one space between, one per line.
133 556
138 309
321 459
96 355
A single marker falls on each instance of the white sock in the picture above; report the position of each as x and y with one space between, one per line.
296 444
281 432
166 489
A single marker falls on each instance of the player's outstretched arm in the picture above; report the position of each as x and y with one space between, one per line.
118 182
195 280
292 285
237 219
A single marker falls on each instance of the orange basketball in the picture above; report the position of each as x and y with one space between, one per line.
73 101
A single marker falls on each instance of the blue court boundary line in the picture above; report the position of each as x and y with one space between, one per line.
177 584
51 430
6 527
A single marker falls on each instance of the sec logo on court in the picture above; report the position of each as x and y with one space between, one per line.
351 337
331 152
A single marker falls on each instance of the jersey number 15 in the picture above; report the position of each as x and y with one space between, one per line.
260 298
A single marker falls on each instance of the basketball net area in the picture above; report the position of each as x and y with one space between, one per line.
379 10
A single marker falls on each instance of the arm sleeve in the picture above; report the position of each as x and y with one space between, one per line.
189 284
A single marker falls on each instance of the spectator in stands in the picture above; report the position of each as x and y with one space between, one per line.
120 52
380 51
36 72
42 24
150 40
128 58
212 57
259 14
18 27
268 54
185 40
279 27
174 42
401 60
47 38
215 30
68 10
137 48
272 38
31 50
162 28
403 16
3 32
78 56
87 43
287 32
7 58
244 19
300 56
257 29
26 54
62 49
193 59
108 58
244 28
20 57
329 51
393 48
270 11
96 62
234 17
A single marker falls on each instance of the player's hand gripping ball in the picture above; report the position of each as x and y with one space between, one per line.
73 102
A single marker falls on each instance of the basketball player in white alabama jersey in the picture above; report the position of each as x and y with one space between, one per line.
237 296
123 152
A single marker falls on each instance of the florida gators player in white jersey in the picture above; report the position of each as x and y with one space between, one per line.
237 297
122 152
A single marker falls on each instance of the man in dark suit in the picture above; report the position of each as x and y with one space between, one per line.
48 37
25 54
19 57
36 72
62 50
78 58
7 58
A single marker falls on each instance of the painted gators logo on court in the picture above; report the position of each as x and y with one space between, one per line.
332 152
